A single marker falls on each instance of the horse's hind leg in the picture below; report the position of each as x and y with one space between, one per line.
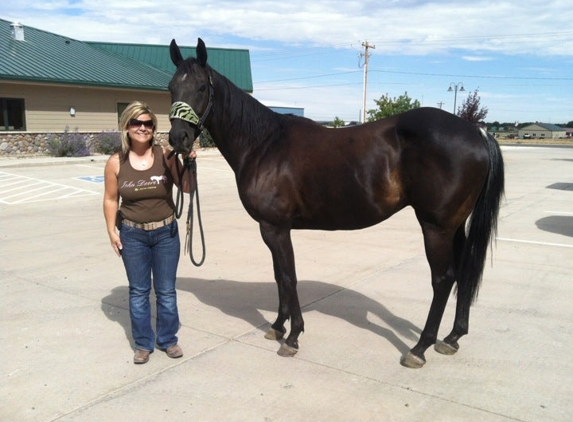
279 242
461 323
438 245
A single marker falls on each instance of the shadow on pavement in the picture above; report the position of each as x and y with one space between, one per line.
559 224
243 300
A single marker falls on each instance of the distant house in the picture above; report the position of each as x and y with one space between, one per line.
296 111
541 131
49 82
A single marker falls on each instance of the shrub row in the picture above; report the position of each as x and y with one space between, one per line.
75 144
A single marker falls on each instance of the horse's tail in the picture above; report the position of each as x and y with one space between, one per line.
483 222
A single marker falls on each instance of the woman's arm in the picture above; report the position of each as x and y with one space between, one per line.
111 201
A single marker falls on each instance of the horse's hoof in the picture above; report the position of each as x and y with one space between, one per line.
446 348
273 334
412 361
287 351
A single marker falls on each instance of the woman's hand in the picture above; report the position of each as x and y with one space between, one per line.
116 243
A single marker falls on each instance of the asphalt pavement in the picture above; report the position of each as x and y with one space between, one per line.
64 321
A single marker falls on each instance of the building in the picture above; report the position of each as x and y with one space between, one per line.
295 111
50 82
541 131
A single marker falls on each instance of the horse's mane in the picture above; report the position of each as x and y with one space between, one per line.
245 114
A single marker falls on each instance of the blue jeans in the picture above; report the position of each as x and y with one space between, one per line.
145 253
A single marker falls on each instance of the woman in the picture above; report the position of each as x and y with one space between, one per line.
143 175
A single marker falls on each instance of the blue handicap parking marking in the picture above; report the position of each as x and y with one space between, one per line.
92 179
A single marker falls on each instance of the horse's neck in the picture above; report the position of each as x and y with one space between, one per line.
240 124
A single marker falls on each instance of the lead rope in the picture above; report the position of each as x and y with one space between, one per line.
191 165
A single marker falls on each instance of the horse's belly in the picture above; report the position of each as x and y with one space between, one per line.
355 220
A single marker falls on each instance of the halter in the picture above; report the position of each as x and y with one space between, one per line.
183 111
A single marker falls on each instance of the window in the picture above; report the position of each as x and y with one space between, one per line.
12 114
120 109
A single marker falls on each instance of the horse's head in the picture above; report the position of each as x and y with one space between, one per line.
191 97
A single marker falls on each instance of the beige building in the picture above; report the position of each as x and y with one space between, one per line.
50 83
542 131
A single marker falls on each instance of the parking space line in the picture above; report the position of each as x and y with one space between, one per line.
533 242
16 189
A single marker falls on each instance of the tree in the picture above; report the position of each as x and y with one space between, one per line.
338 122
570 124
471 111
389 106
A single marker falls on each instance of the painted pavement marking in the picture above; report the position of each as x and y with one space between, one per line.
16 189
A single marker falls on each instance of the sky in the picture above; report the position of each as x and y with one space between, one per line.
310 54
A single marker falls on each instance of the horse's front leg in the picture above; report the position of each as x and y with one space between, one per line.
279 243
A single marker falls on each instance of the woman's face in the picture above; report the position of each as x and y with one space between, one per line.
140 129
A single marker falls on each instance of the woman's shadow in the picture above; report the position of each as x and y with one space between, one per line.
115 307
244 300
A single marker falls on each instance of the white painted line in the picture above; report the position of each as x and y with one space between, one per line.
560 245
16 182
16 189
28 190
26 196
19 187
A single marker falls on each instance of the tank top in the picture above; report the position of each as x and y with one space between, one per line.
146 195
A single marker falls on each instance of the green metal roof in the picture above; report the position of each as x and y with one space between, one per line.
235 64
46 57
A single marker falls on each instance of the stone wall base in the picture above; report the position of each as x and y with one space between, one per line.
35 144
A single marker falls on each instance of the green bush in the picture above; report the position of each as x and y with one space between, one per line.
68 144
205 139
107 142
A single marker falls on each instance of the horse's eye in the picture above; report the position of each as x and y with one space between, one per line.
203 88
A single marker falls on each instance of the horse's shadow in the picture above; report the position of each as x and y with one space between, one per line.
243 300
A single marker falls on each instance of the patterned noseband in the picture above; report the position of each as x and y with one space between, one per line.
183 111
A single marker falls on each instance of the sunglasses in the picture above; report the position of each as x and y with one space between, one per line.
137 123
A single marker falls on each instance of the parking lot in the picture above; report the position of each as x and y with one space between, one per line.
64 320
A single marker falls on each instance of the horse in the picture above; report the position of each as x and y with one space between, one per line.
295 174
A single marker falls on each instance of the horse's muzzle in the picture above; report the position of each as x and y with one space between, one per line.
181 141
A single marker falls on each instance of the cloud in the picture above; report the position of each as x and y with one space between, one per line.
302 51
477 59
405 27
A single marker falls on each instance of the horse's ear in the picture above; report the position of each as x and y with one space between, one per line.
201 52
175 53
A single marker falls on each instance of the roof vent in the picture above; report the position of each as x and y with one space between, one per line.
17 31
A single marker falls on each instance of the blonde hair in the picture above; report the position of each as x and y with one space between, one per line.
133 111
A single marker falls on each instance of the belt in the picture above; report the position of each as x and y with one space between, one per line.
149 226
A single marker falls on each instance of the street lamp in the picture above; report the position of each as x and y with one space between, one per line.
459 86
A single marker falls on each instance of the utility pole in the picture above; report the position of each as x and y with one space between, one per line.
440 104
366 56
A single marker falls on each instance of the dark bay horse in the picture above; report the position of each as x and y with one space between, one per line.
293 173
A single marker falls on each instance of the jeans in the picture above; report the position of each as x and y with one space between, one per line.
145 253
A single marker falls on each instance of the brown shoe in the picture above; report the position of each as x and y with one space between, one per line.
174 351
141 356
